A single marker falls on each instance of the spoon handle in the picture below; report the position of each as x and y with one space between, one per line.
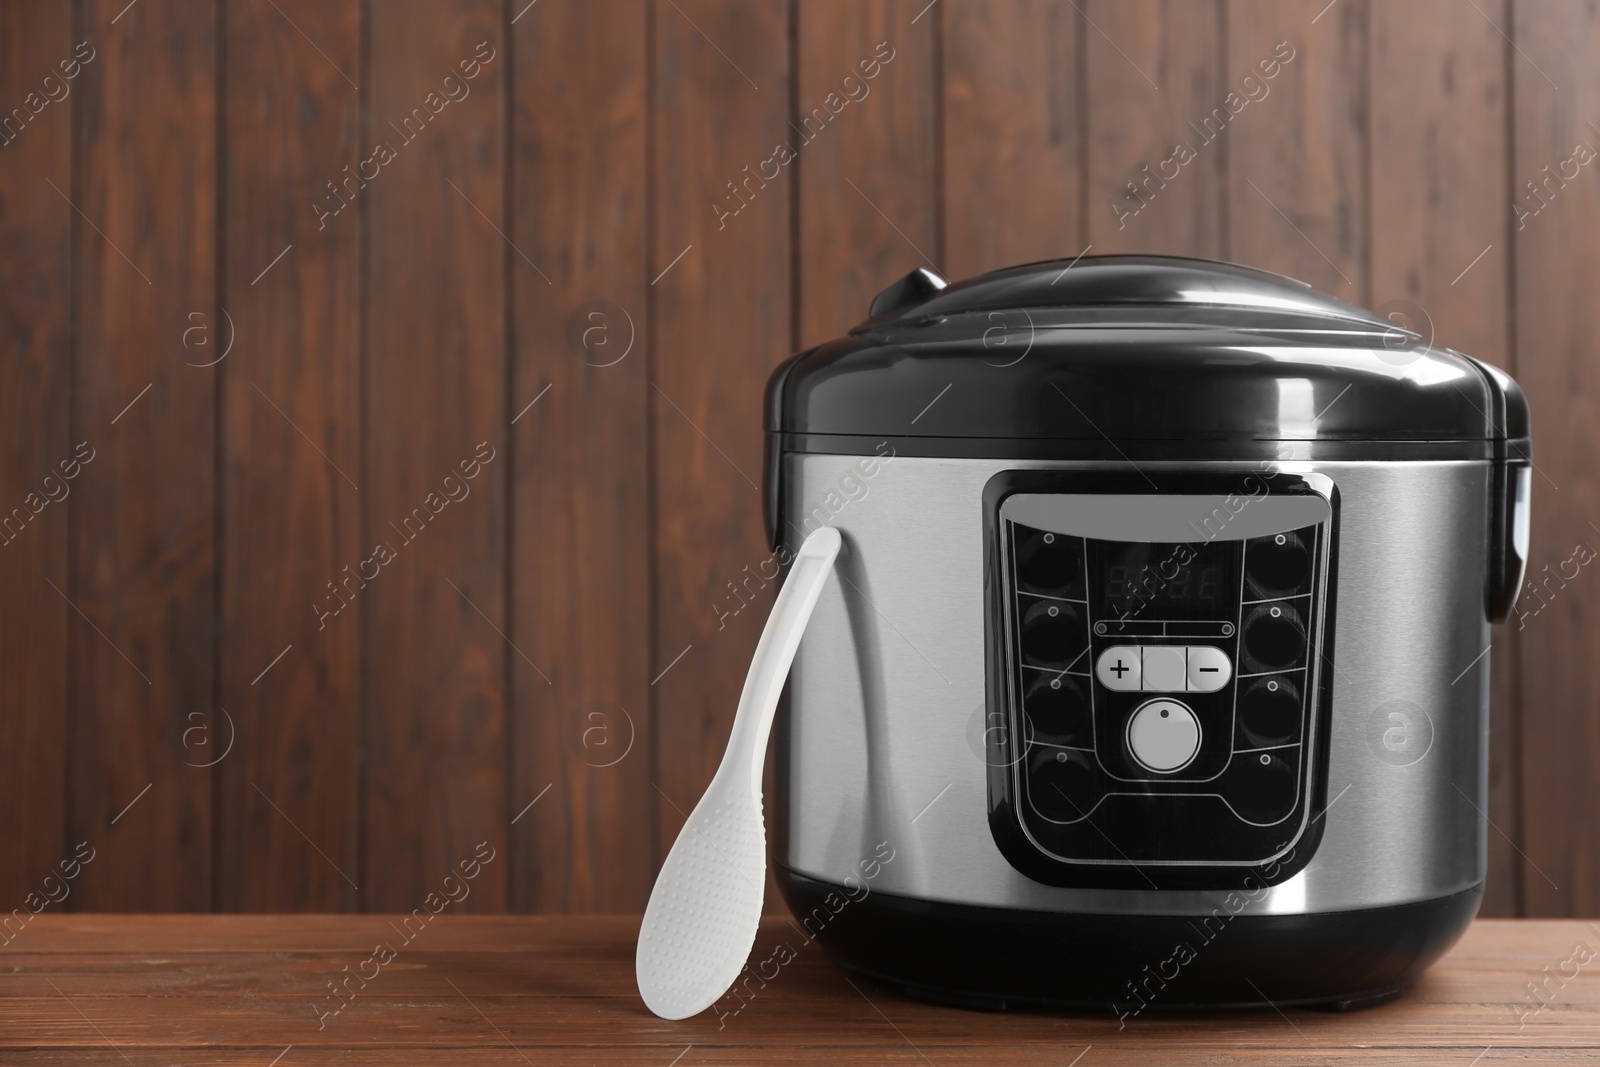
747 744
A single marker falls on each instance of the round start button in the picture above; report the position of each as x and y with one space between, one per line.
1163 736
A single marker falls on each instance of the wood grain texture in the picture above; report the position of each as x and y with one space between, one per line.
1156 172
547 990
287 786
1556 89
1012 129
143 549
580 550
36 225
868 208
435 371
720 267
1441 262
1297 175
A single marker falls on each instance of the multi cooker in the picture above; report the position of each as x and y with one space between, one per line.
1155 672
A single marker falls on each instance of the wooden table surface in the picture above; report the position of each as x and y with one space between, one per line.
143 990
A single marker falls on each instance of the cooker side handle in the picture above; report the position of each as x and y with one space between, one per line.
1508 535
1510 428
772 489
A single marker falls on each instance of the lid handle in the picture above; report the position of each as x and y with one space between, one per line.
909 291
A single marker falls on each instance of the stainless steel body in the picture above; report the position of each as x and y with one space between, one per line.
883 737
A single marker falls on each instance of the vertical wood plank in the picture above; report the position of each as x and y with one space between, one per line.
1556 89
434 354
287 797
35 382
721 322
1156 174
143 527
580 550
1012 133
1297 200
1441 259
868 213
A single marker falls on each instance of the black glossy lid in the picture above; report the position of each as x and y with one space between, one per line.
1136 348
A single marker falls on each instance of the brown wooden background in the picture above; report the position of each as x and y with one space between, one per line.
560 618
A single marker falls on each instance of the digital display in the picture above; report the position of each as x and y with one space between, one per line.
1125 581
1138 580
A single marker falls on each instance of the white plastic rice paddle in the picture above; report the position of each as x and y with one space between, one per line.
703 912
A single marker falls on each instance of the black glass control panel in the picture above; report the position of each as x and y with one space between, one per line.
1160 697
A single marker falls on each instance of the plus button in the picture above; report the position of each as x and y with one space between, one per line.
1120 668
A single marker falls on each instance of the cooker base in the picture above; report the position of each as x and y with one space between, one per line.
1001 958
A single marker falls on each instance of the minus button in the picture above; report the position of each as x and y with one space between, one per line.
1209 669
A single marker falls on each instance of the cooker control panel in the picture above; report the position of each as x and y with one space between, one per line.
1157 661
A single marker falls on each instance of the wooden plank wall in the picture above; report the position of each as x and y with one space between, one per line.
398 368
